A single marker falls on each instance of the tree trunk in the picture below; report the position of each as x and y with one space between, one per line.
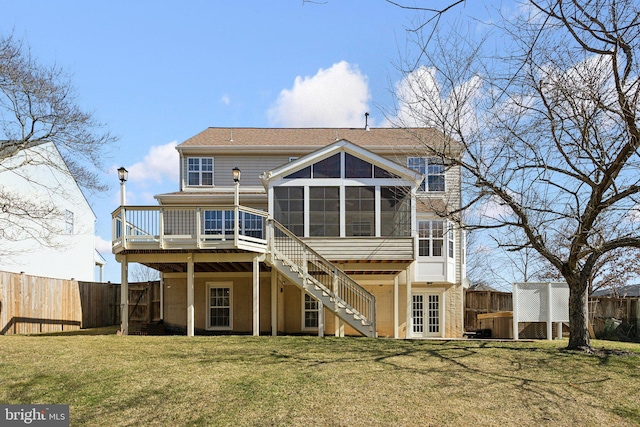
578 317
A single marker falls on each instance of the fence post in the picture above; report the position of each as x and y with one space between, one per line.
515 311
549 313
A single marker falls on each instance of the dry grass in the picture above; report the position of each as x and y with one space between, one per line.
149 381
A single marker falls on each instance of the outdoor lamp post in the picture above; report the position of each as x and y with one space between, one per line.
123 174
236 205
236 180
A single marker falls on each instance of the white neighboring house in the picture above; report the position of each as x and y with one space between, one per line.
62 244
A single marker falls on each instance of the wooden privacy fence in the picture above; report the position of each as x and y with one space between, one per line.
611 318
30 304
480 302
615 318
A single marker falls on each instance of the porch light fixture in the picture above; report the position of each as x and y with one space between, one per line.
236 174
236 180
123 174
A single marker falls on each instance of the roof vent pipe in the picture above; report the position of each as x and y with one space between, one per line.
366 121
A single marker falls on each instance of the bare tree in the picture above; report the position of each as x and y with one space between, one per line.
612 271
545 109
142 273
37 110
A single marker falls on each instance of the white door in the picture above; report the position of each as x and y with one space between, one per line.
426 317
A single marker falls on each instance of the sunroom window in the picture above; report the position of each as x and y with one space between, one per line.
360 211
289 208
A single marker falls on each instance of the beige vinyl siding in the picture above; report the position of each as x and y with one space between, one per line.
251 166
365 248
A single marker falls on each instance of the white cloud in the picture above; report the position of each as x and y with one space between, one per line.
101 245
334 97
424 102
162 162
225 99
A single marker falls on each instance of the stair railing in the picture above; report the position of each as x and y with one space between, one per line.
290 249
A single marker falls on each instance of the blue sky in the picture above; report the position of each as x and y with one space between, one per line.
159 72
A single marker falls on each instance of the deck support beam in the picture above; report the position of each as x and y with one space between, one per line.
256 296
274 302
124 296
409 327
320 319
396 302
190 297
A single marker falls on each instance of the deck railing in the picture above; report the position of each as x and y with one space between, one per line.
288 247
200 227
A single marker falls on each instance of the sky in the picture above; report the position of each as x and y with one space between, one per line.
158 72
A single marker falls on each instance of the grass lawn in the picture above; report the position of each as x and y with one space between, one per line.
178 381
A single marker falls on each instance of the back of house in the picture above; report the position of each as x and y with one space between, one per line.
288 231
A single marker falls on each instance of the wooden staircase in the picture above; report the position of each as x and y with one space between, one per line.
321 279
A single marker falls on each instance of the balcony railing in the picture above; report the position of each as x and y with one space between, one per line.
201 227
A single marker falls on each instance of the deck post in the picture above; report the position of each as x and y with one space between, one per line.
256 296
124 296
396 301
514 292
274 302
549 313
190 297
409 327
320 319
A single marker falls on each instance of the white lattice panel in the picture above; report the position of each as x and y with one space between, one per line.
532 301
559 302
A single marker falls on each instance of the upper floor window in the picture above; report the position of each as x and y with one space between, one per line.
331 167
433 169
199 171
430 238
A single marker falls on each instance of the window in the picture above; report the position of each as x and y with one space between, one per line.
450 241
433 169
68 222
310 312
302 173
430 238
324 211
434 313
289 208
327 168
199 171
220 304
252 225
395 211
356 167
360 211
218 222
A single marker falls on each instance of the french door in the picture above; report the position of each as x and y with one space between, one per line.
426 314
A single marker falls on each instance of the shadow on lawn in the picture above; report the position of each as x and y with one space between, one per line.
105 330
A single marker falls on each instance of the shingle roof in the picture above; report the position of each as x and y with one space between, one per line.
312 137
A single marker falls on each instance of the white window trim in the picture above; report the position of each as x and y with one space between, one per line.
214 285
451 235
441 312
445 248
200 171
304 327
425 174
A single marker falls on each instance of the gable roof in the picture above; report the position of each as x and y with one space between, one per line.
348 147
379 139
